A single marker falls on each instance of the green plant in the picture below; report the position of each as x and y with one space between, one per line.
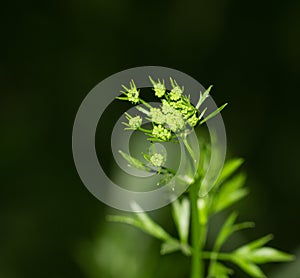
191 213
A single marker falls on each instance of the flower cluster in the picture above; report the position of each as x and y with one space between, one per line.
172 120
182 103
175 121
176 92
157 160
131 94
175 115
157 116
161 133
134 123
158 87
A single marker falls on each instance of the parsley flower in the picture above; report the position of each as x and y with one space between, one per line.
166 107
133 122
132 94
161 133
185 107
176 93
157 116
175 121
158 87
157 160
193 120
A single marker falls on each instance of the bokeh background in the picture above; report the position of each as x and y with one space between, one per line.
54 52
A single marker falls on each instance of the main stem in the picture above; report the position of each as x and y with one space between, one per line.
197 270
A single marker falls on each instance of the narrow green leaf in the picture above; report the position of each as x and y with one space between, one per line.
202 113
134 162
124 219
217 111
151 227
181 216
254 244
219 270
248 267
267 254
229 193
226 230
143 222
227 200
170 247
243 225
203 97
253 253
229 168
173 246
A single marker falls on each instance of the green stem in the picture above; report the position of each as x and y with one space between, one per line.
145 130
168 170
197 264
219 256
190 150
213 259
145 103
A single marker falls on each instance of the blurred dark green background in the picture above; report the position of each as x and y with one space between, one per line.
54 52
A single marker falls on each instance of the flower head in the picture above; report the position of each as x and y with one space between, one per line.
175 121
157 116
184 106
157 160
158 87
173 117
166 107
132 94
176 93
161 133
133 122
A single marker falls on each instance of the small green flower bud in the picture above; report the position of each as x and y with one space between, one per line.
193 120
161 133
